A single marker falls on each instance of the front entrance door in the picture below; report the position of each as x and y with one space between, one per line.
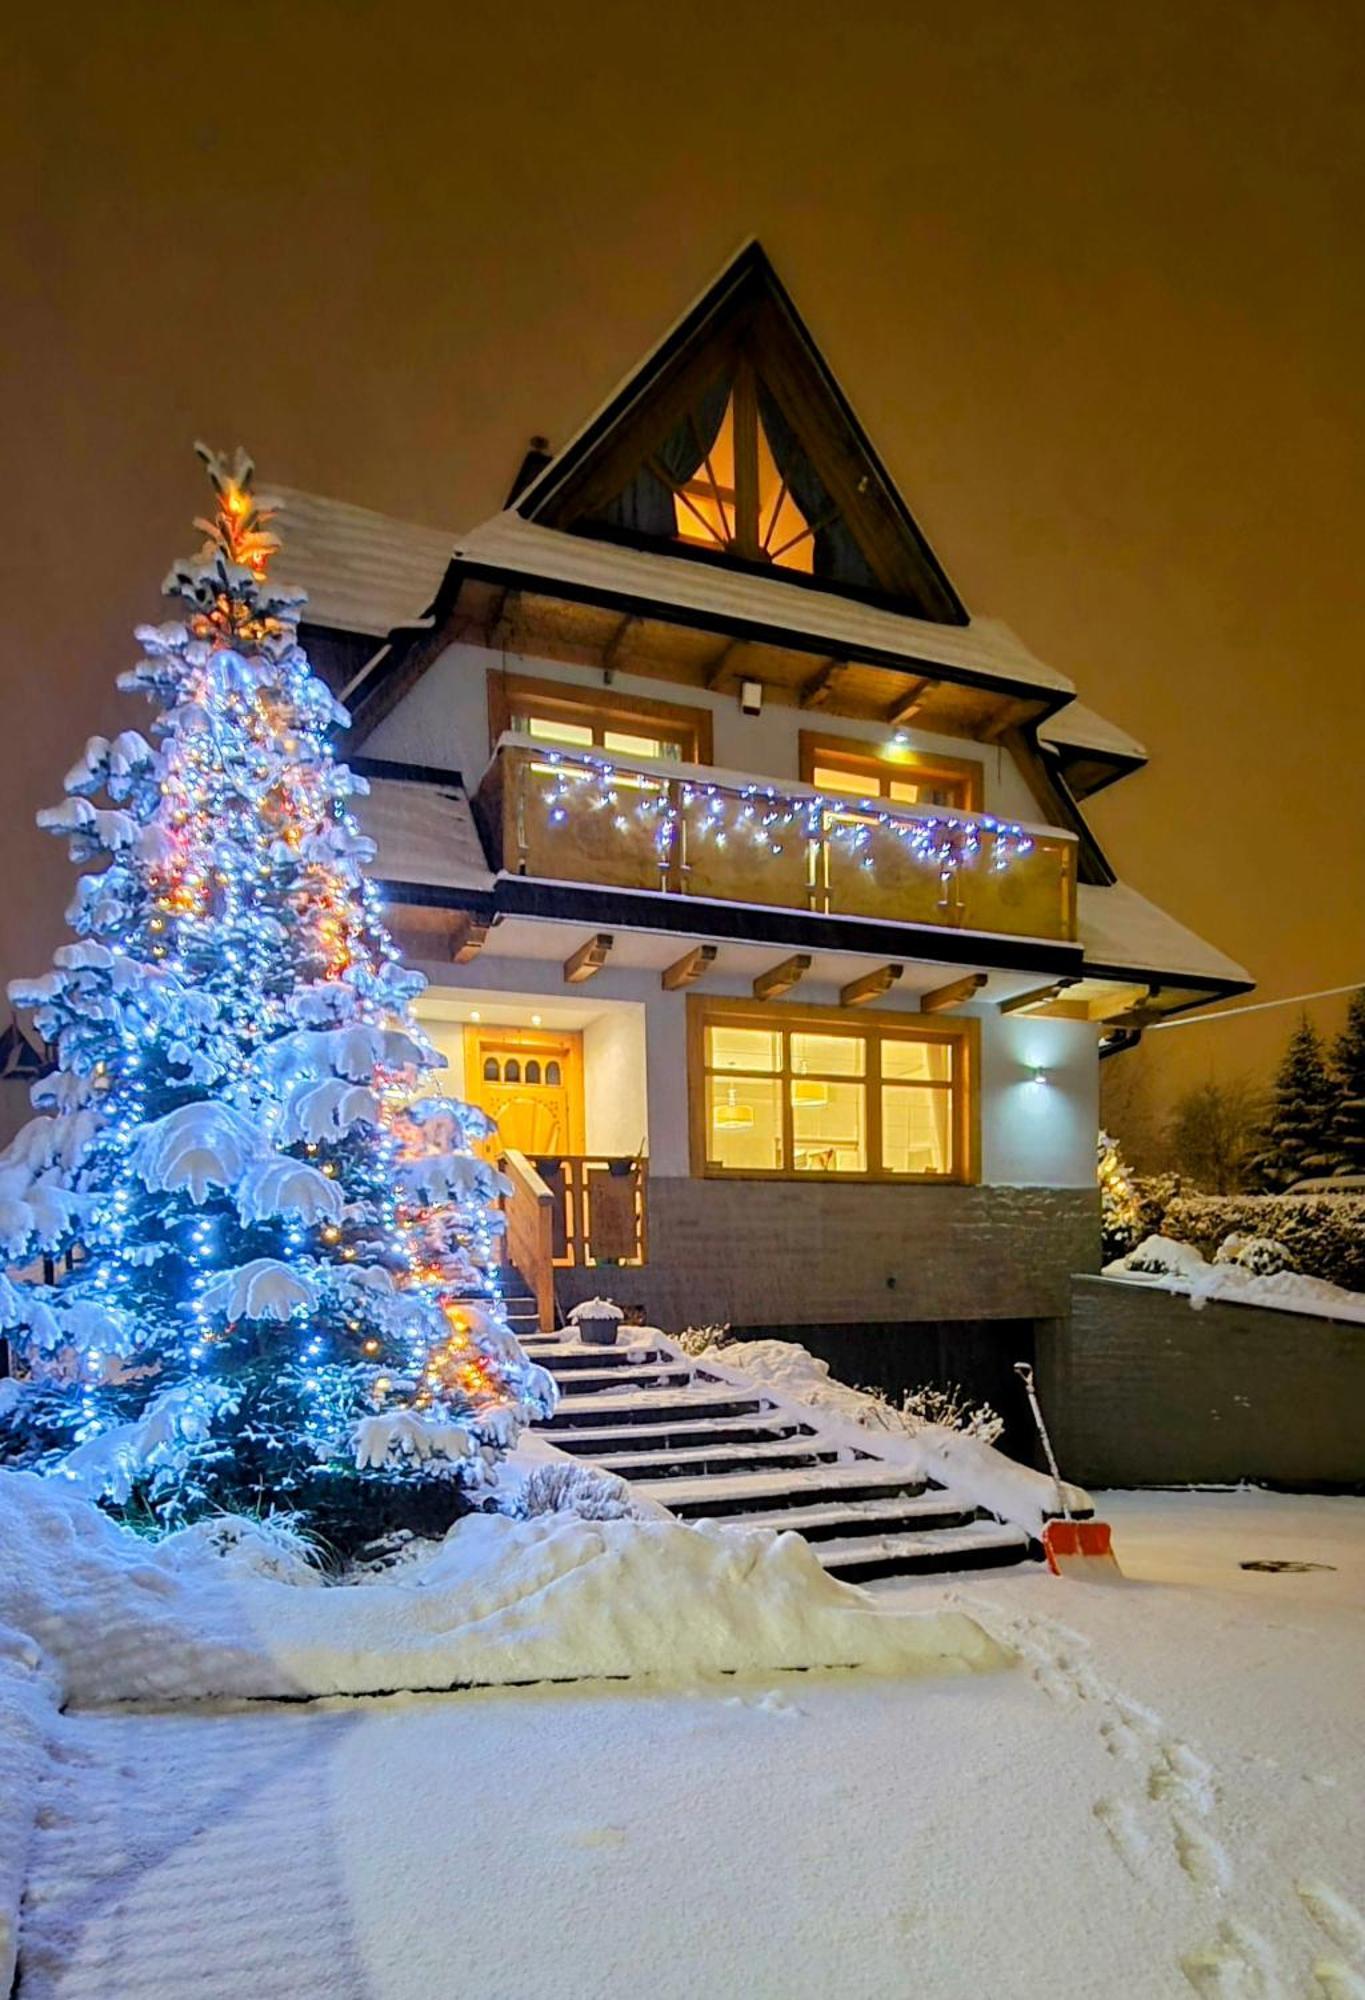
531 1083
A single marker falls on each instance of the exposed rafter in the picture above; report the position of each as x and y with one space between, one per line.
589 959
822 684
909 703
723 665
954 994
780 979
870 986
467 937
611 651
685 971
1037 996
1011 714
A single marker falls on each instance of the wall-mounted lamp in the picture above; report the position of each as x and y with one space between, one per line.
751 697
1038 1076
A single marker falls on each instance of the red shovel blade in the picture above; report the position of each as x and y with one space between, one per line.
1080 1548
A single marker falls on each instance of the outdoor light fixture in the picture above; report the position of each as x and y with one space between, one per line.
751 697
535 1020
1038 1076
474 1014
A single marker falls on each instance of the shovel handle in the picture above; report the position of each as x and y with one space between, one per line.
1024 1371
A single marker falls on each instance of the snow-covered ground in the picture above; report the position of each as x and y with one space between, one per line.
1164 1796
1178 1267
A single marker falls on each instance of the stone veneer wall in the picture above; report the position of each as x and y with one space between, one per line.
784 1254
1141 1391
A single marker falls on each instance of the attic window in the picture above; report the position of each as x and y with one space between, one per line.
707 511
733 479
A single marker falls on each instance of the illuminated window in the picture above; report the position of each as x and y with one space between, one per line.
586 718
767 525
797 1092
850 769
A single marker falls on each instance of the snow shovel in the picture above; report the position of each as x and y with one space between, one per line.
1072 1548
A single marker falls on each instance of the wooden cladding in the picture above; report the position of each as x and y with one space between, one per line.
555 815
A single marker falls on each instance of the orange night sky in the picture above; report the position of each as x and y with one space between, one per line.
1092 276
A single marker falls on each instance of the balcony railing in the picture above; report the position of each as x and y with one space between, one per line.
570 1211
635 823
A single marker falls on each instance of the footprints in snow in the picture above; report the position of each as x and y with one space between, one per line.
1174 1810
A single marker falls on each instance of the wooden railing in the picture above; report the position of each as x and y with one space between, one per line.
635 823
599 1208
530 1233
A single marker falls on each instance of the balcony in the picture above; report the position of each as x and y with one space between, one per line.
687 831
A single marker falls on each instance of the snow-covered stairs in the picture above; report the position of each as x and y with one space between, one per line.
706 1447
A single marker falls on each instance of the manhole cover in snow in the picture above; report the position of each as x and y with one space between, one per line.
1278 1564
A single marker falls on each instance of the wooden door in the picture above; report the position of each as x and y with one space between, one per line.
530 1082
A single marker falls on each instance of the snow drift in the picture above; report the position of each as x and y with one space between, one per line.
499 1602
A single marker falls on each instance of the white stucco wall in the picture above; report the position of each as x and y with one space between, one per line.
444 721
1033 1134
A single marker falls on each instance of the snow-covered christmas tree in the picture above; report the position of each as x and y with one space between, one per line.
277 1290
1297 1140
1348 1064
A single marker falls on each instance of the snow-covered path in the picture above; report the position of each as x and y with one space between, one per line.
1166 1798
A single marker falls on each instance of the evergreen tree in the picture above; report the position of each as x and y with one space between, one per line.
1297 1141
278 1252
1348 1063
1120 1209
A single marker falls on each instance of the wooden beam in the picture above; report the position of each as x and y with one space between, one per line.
908 704
467 937
817 690
1037 996
588 959
723 665
1010 714
690 967
618 638
870 986
941 998
780 979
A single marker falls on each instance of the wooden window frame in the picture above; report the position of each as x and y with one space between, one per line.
511 696
962 1035
862 759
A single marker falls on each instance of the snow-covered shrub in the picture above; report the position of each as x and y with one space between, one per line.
1257 1254
1157 1257
1322 1235
948 1409
564 1487
272 1547
696 1340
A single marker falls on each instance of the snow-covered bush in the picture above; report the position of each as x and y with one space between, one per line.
950 1410
1157 1257
565 1487
792 1370
1322 1235
696 1340
1257 1254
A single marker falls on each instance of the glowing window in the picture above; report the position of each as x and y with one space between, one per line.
800 1092
708 511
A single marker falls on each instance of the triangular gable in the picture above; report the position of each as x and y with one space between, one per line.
734 443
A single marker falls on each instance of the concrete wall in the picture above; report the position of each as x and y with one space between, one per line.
784 1253
444 721
1141 1391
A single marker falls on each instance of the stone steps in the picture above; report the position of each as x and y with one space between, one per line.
708 1449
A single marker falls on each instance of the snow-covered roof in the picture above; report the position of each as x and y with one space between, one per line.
363 571
1121 929
847 627
425 833
1079 728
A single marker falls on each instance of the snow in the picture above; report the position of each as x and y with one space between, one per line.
499 1601
1123 932
1184 1270
1164 1802
966 1466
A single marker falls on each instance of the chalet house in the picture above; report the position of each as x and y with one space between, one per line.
748 865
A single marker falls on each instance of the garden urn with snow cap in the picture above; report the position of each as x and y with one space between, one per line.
597 1322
